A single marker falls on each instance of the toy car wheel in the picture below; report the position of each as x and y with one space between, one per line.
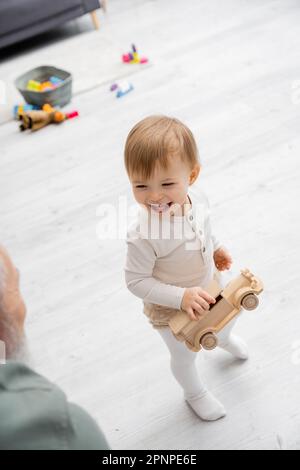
250 302
209 341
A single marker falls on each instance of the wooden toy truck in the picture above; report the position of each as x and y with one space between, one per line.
239 293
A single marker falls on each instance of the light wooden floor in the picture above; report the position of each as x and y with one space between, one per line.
228 69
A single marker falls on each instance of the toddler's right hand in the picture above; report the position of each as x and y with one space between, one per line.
195 302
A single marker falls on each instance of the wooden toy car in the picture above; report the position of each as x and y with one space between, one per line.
239 293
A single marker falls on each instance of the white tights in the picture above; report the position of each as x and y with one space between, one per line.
183 359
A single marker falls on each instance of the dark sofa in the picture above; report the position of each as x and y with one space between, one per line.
21 19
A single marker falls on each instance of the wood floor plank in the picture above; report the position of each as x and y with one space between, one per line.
228 69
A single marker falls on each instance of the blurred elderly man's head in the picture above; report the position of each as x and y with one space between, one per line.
12 308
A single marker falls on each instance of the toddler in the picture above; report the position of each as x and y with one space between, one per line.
172 254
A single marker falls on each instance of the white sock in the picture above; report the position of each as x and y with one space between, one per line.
236 346
207 407
184 369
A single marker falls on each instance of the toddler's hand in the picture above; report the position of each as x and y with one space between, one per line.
196 302
222 259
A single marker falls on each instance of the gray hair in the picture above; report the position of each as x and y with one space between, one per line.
2 285
3 321
15 344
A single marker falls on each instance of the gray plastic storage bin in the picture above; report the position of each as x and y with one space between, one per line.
60 96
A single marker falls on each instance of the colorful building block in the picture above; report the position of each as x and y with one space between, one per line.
23 108
134 57
33 85
55 80
123 89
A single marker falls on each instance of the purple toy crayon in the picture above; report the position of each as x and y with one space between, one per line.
114 87
134 48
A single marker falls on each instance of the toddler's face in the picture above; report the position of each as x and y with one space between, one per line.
166 187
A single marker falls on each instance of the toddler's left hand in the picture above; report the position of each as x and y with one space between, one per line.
222 259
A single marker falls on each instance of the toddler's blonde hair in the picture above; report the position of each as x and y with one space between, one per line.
156 139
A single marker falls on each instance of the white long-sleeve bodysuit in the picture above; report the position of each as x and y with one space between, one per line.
165 257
